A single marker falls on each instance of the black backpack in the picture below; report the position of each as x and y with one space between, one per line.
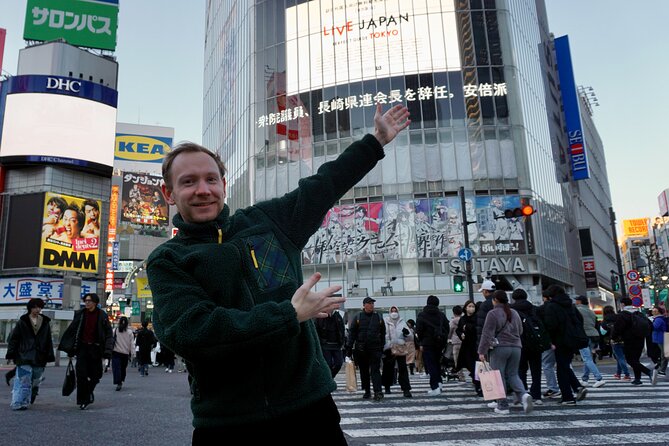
535 338
640 325
574 336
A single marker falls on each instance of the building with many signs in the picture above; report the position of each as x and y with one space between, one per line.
57 129
289 85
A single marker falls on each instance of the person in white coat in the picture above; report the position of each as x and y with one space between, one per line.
395 350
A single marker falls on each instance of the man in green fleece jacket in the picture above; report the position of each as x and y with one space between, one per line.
229 296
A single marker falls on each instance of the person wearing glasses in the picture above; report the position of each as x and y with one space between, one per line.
89 337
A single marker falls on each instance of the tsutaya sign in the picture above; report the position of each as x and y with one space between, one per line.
331 42
496 265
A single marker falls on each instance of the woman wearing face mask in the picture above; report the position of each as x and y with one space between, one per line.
395 351
466 331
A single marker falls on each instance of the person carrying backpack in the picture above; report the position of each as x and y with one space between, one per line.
587 352
565 326
633 327
660 326
535 340
432 330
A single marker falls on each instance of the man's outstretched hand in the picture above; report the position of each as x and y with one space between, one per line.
387 125
310 304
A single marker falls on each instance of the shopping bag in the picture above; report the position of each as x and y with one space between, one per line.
491 383
70 382
666 344
477 369
351 378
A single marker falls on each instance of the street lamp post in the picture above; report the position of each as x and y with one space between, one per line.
465 230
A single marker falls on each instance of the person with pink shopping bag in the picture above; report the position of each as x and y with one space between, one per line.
500 340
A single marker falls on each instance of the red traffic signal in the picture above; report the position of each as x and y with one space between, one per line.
524 211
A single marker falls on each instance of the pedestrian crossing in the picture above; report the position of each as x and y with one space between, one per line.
617 413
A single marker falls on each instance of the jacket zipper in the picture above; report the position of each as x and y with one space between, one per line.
252 251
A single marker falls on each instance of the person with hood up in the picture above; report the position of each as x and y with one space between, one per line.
30 347
432 329
564 324
395 350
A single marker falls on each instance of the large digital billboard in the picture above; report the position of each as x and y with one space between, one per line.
335 42
58 120
87 23
70 233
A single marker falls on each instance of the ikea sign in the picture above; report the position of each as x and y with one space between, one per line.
150 149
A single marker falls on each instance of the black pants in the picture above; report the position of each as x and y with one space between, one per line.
334 359
533 362
322 417
388 374
89 371
369 364
633 348
565 375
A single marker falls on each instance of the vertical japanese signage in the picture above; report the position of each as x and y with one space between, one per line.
112 245
70 233
85 23
577 146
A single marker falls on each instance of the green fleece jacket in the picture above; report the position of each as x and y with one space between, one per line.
222 293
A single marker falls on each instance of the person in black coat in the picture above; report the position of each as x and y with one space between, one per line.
466 331
432 329
146 341
528 358
331 334
558 309
89 337
31 348
367 334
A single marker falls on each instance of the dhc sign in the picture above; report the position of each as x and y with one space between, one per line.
577 146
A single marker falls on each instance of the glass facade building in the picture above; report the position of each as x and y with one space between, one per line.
290 84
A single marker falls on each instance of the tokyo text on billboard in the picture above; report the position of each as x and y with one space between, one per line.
577 146
85 23
332 42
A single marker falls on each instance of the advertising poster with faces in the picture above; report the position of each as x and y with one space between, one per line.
70 233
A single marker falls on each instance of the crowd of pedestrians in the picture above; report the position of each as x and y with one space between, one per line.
514 338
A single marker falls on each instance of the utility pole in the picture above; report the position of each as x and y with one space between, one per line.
619 263
465 228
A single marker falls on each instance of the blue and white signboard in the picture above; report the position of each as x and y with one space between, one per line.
465 254
577 147
19 290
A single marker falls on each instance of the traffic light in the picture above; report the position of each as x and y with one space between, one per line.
615 284
458 285
523 211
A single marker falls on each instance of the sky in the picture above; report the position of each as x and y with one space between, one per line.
619 48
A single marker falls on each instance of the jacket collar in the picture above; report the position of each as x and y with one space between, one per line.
208 231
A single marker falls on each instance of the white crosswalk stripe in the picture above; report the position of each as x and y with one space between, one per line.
617 413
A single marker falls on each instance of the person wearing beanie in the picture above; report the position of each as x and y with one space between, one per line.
89 337
432 329
31 348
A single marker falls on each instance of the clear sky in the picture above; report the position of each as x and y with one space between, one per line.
618 47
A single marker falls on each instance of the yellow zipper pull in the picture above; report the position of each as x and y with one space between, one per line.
253 256
220 236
